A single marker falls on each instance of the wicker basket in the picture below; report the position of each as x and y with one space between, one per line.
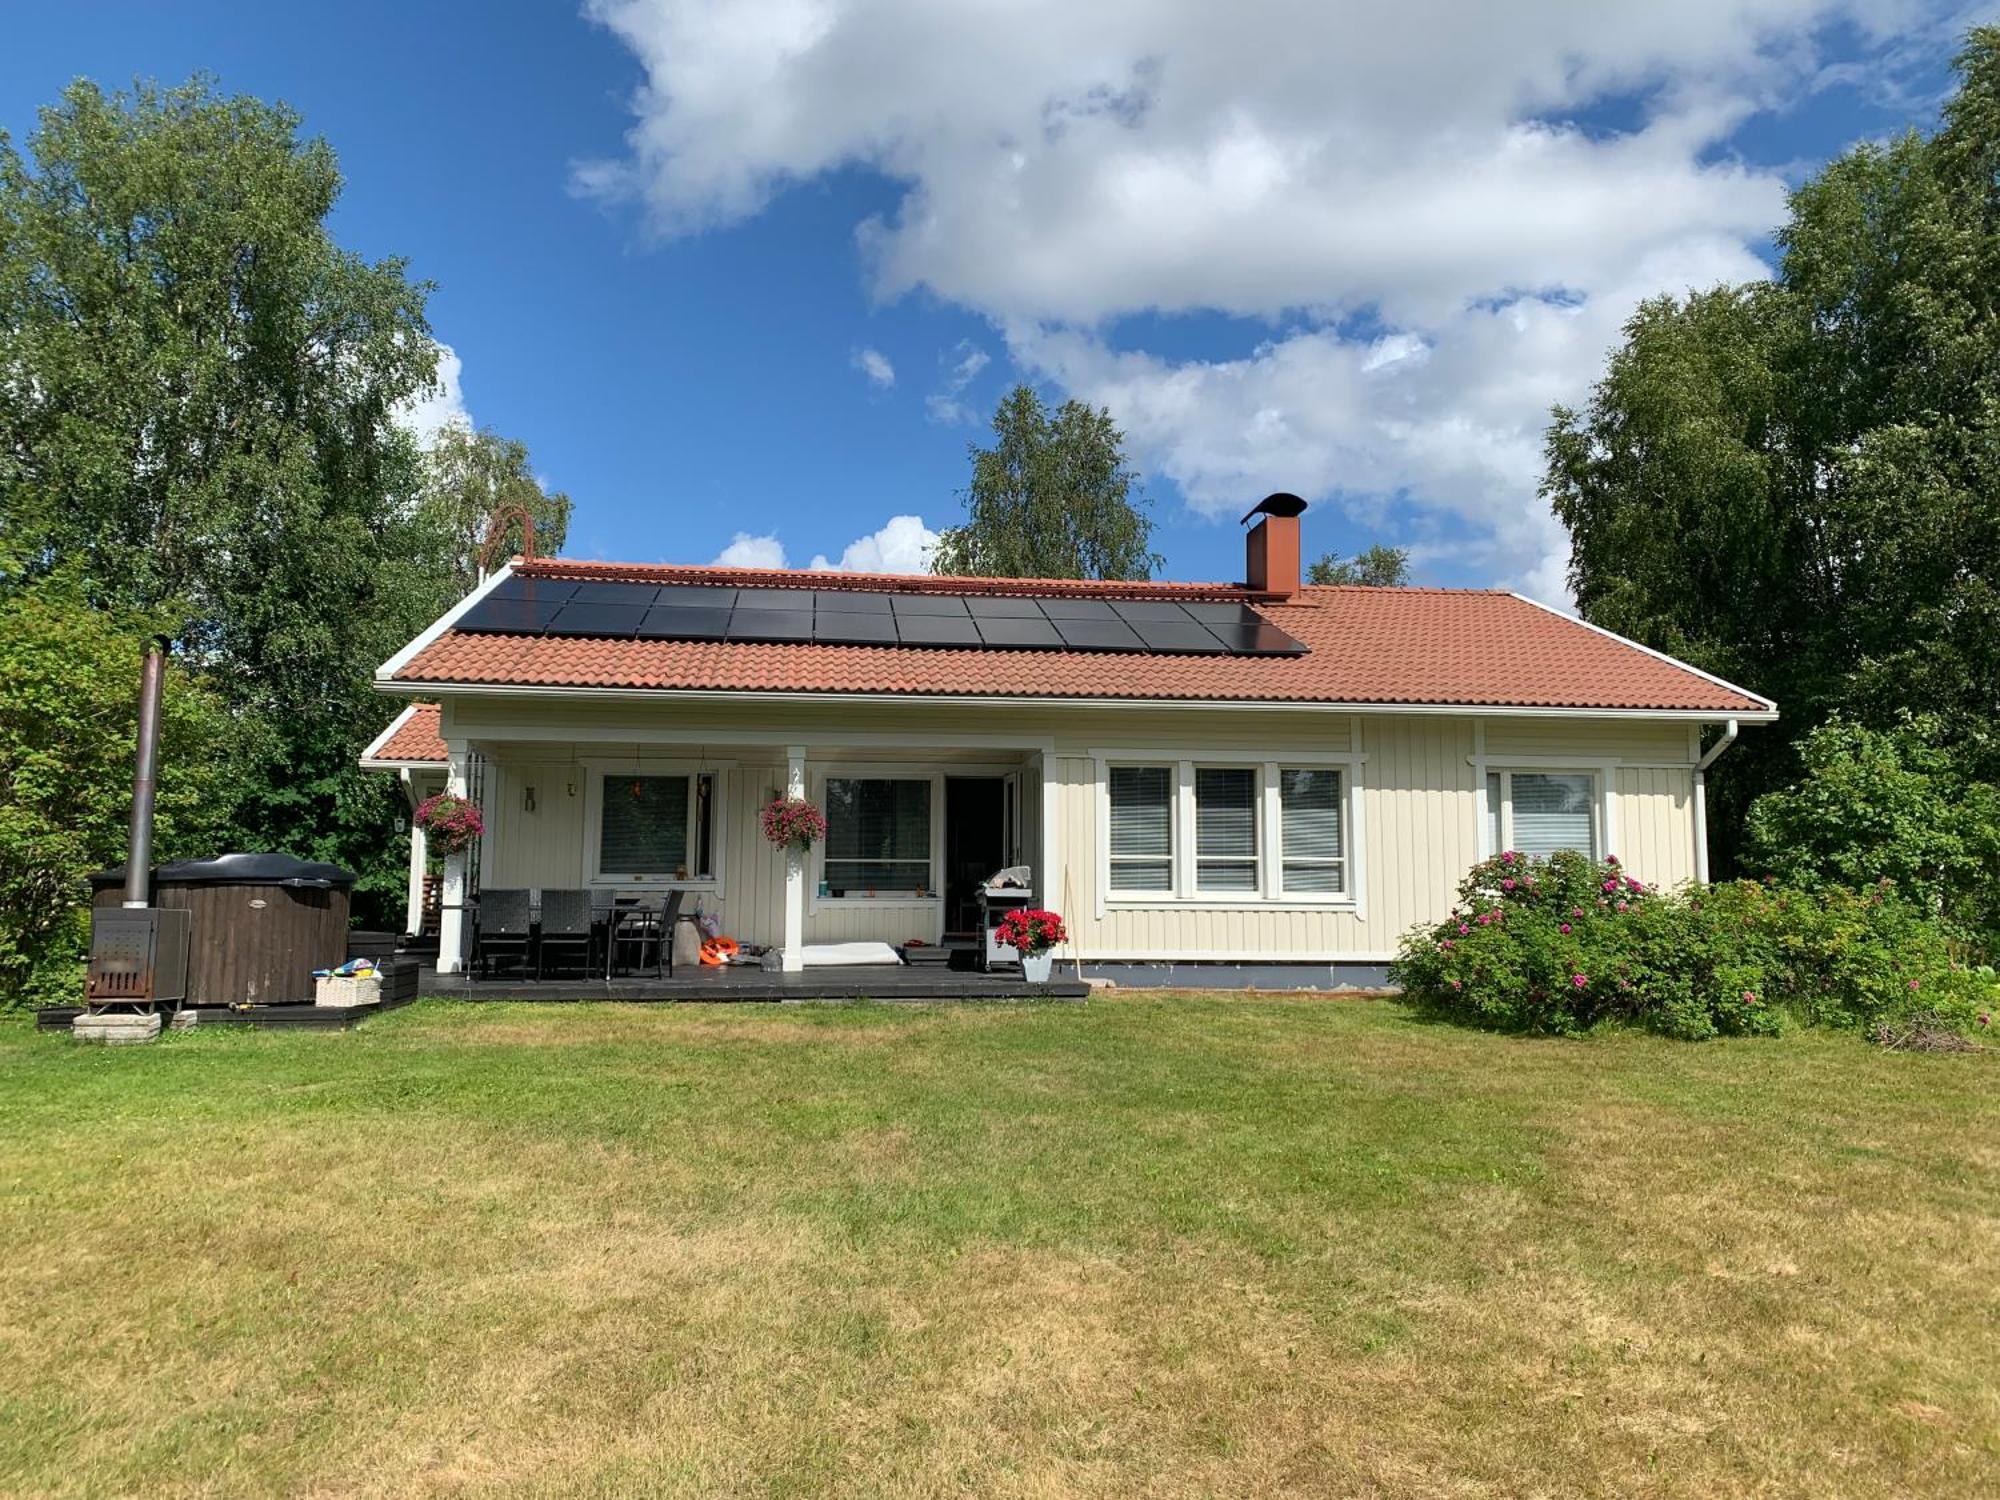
341 992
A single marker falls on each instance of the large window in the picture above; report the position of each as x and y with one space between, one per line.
655 827
878 836
1186 831
1539 812
1142 828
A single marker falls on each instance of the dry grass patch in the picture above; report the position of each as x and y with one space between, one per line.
1155 1247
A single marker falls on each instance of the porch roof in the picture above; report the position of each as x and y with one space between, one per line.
1365 646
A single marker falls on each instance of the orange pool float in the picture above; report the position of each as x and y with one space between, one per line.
717 951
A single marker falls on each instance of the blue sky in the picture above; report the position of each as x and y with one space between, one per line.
1356 262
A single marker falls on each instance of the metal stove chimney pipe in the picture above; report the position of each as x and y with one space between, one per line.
145 777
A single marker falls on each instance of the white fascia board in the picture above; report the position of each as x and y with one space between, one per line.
1770 705
375 745
440 625
978 700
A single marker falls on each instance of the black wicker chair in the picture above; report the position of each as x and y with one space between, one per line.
566 930
503 929
643 929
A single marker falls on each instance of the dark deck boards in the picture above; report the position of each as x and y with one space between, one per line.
911 982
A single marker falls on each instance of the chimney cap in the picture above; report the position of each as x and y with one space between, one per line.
1280 504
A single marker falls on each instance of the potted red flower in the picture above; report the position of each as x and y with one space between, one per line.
1031 933
450 821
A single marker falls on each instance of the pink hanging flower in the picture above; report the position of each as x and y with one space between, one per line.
1749 997
1507 884
1507 858
1914 985
1463 930
1622 906
1611 859
1447 944
1458 984
1576 911
1564 928
1579 980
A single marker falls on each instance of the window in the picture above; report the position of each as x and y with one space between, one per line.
1227 834
878 836
1142 828
1314 854
1539 812
1225 828
655 827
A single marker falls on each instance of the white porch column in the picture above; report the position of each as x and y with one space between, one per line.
795 870
420 857
451 917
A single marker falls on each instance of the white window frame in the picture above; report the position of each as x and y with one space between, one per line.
596 772
1175 840
882 771
1270 894
1601 776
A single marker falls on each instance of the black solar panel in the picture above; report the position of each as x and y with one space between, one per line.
682 623
851 601
771 624
929 604
1020 634
1099 635
636 595
698 612
936 630
848 628
1005 609
609 620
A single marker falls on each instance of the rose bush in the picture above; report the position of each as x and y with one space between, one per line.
1562 944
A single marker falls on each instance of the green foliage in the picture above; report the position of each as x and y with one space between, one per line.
1561 945
469 478
1377 567
68 727
1052 498
1891 804
201 430
1797 484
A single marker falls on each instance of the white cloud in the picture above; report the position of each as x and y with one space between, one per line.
875 365
1410 171
904 545
443 405
967 360
747 551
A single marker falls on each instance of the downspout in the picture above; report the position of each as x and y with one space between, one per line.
1701 766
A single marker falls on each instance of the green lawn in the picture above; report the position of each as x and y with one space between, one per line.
1149 1246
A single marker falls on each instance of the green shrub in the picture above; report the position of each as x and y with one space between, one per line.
1560 945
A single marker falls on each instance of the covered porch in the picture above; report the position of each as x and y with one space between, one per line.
636 809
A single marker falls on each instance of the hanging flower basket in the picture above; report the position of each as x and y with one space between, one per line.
451 821
793 823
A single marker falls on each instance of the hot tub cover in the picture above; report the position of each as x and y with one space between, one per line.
238 869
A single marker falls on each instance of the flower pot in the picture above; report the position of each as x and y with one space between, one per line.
1035 967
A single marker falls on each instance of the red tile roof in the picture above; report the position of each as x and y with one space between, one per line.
1365 645
415 739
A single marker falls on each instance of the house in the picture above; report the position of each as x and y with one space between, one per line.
1270 777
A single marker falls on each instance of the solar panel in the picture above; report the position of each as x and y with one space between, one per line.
696 596
1020 633
1176 637
509 616
1259 639
682 623
849 628
774 598
1077 609
609 620
929 604
1134 610
936 630
539 590
1099 635
771 624
985 608
851 601
1212 613
637 595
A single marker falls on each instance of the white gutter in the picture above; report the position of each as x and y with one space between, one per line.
1701 766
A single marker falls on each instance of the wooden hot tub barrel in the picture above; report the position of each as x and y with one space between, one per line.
259 924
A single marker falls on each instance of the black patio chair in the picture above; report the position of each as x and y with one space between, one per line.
638 929
502 929
566 930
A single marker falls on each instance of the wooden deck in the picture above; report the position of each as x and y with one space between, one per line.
886 982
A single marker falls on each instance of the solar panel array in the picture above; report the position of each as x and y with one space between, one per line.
850 617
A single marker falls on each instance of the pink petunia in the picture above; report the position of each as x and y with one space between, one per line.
1579 980
1447 944
1507 884
1914 985
1610 885
1622 906
1458 984
1507 858
1463 930
1611 859
1563 928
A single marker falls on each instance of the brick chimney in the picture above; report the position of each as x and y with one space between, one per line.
1271 550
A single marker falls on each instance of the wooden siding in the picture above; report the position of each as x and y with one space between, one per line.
1420 805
